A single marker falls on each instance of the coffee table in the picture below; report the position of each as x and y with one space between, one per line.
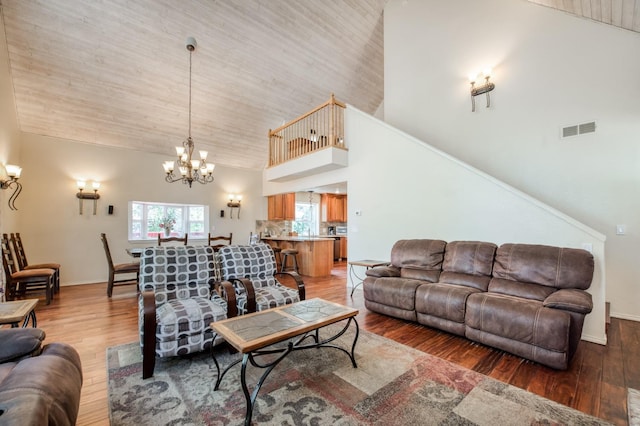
18 311
254 334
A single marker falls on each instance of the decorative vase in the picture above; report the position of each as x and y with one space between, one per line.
167 232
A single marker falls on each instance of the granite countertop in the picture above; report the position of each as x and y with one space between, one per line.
298 238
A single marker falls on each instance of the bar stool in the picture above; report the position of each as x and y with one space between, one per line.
277 253
285 255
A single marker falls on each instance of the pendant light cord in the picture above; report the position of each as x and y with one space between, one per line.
190 55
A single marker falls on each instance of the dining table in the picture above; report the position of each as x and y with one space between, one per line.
135 251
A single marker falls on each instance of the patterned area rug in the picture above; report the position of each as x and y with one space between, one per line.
633 404
393 385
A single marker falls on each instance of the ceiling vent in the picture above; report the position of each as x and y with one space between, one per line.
578 129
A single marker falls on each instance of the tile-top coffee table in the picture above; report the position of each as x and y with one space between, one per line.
18 311
253 334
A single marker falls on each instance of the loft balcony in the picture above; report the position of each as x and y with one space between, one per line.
312 143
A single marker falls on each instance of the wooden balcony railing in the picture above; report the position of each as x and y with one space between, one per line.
320 128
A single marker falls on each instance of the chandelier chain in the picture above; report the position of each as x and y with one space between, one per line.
190 170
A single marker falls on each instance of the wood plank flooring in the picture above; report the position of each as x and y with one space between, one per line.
596 382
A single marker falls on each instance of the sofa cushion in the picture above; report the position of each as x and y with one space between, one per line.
447 301
520 289
181 318
544 265
468 263
396 292
418 259
521 320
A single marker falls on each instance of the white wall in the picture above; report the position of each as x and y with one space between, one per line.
551 69
9 136
406 189
53 230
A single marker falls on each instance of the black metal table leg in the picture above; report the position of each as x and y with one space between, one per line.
252 358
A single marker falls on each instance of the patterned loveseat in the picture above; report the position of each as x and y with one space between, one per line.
178 302
253 268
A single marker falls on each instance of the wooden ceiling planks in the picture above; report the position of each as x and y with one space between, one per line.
115 72
620 13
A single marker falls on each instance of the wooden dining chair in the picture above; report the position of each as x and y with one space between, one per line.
219 241
119 269
21 257
171 239
20 281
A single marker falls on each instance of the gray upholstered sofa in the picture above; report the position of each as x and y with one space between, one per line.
529 300
39 384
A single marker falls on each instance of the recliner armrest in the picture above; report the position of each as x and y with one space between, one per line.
298 280
18 343
383 271
573 300
249 291
148 333
225 290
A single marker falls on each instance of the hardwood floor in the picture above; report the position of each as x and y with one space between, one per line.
596 383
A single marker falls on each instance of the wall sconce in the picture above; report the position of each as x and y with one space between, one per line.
87 195
483 88
234 203
14 174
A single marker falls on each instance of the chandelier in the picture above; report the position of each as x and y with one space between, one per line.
190 170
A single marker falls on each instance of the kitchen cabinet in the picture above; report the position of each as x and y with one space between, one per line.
281 206
334 207
343 248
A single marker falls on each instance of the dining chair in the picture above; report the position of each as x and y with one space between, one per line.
171 239
179 299
118 269
219 241
18 250
252 269
20 281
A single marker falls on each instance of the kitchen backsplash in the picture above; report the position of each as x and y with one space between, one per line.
283 227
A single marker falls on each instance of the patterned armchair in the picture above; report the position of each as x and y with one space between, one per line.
179 299
252 271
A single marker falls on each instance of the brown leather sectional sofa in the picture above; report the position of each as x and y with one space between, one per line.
529 300
39 384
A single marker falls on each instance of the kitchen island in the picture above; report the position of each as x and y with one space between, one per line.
315 254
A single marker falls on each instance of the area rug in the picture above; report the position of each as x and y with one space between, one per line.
633 405
393 385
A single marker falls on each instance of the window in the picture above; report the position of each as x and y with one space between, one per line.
306 222
147 220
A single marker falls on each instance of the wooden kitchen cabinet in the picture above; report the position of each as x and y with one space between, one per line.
281 206
334 207
343 248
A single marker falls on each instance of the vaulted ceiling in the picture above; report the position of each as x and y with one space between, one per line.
116 72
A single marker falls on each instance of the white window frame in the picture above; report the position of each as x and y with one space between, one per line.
314 223
186 222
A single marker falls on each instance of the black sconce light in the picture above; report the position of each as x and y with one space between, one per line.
13 172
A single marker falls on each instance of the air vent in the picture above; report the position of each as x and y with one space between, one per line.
569 131
578 129
587 128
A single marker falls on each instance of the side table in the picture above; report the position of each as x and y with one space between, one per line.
368 264
18 311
